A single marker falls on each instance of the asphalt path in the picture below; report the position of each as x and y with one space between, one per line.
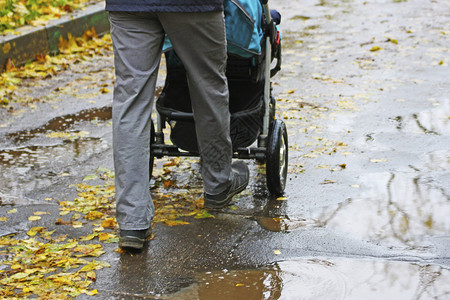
364 91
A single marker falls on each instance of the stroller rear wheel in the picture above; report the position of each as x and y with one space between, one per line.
277 158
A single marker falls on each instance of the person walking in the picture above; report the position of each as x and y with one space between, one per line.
196 30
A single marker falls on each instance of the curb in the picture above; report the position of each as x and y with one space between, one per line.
32 41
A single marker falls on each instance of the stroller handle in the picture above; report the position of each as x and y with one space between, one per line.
267 17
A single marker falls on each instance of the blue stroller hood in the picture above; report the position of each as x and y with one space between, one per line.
243 27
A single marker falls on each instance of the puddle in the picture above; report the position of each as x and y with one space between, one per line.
434 121
63 123
323 279
285 224
396 209
27 169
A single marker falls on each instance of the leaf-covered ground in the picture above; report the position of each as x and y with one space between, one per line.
57 266
72 51
17 13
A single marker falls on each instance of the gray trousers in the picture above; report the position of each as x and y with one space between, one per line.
199 41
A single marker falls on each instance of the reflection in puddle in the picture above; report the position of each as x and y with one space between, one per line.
436 161
285 224
434 121
323 279
396 209
63 123
26 169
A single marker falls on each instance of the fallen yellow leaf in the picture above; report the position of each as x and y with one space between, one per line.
109 222
375 48
92 215
103 236
175 222
40 213
375 160
34 230
91 293
77 224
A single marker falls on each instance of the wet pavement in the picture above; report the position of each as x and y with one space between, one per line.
364 92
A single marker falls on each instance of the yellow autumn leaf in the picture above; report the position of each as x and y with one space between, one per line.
203 214
88 237
90 177
92 215
173 162
98 229
328 181
103 236
376 160
34 218
40 213
175 222
77 224
91 275
4 219
12 211
34 230
393 41
91 293
109 222
276 252
375 48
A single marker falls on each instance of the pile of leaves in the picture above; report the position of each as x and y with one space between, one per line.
59 267
17 13
72 50
174 202
50 266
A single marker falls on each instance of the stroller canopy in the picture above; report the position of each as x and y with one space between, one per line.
243 27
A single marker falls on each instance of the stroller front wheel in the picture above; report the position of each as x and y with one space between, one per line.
277 158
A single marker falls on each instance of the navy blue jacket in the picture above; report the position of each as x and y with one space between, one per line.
164 5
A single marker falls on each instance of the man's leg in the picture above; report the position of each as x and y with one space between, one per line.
199 41
137 40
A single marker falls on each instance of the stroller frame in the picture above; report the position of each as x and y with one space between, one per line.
272 142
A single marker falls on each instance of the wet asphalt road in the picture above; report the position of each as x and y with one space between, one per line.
364 92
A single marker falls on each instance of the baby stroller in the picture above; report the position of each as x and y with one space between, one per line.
253 43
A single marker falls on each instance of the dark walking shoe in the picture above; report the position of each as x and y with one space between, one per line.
239 182
133 238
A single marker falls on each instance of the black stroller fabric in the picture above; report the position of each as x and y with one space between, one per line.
246 102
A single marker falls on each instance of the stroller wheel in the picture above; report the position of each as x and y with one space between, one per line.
277 158
152 157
